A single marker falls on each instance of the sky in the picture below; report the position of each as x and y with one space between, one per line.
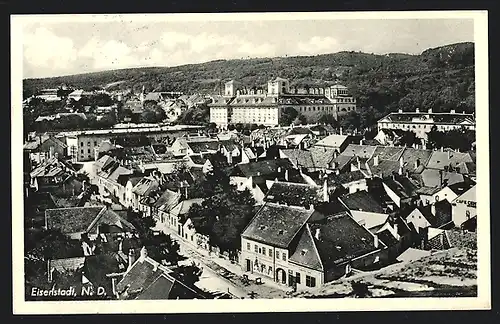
54 48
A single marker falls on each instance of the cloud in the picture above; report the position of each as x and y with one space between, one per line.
319 45
108 54
43 49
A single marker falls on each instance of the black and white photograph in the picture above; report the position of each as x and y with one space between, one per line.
285 161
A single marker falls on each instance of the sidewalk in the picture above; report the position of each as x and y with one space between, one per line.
268 288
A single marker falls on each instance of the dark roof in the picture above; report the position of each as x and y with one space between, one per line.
294 194
401 185
73 219
387 238
148 280
305 253
362 201
461 187
276 224
264 167
345 178
168 198
341 239
204 146
85 219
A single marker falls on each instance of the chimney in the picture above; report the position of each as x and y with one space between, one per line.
433 209
359 162
131 258
229 158
144 254
361 142
311 206
337 171
286 175
417 163
317 234
401 164
442 149
375 241
449 155
400 110
340 130
429 111
326 197
452 111
417 110
375 160
279 169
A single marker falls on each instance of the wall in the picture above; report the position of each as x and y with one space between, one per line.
417 219
394 197
464 207
368 219
303 272
265 115
355 186
271 260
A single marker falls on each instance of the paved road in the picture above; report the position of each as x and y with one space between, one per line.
209 280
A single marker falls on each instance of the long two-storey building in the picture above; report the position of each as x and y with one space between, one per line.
265 107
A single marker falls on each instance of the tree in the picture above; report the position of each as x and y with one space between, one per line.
329 120
288 115
223 216
160 247
300 120
408 138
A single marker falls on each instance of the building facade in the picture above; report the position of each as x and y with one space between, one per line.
422 122
258 106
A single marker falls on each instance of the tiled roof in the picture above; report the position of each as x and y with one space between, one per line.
277 225
167 200
341 239
300 158
362 201
439 160
183 207
345 178
113 221
264 167
401 185
427 190
145 186
204 146
148 280
432 177
73 219
387 238
334 141
306 253
363 151
343 161
322 156
51 168
294 194
388 153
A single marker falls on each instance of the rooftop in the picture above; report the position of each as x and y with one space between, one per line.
294 194
362 201
277 225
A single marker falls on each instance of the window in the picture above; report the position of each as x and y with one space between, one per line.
260 250
95 143
284 256
81 143
88 151
310 281
256 248
264 250
297 277
278 255
270 253
248 246
88 143
81 151
467 214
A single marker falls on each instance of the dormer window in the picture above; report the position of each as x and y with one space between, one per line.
281 232
303 252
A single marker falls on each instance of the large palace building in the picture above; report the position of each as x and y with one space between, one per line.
260 106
